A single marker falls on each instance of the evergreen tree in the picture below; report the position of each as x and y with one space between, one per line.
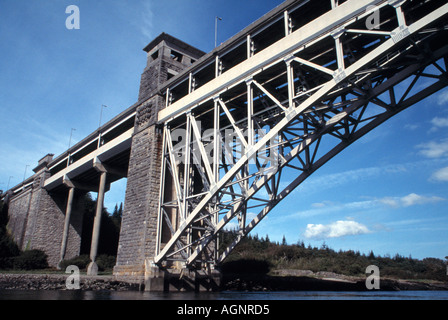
117 214
120 210
109 231
8 248
267 240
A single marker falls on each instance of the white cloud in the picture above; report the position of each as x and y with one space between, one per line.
21 154
434 149
335 230
409 200
440 175
147 21
415 199
322 204
440 122
330 181
442 98
329 207
411 126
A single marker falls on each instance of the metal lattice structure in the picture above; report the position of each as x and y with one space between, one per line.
287 110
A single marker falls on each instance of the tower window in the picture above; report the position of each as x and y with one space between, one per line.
176 56
155 55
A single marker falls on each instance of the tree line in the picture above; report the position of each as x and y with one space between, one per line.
262 255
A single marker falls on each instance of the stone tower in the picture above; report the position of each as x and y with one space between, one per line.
166 57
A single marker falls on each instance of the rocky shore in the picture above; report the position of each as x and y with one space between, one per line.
58 282
284 280
305 280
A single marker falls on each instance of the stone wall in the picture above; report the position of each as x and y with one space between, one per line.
139 222
18 210
36 220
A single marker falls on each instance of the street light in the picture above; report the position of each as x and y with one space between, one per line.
101 114
24 175
216 30
70 141
7 188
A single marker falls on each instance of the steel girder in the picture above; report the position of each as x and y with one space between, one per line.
230 154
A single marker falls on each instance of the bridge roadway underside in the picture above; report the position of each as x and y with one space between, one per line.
37 213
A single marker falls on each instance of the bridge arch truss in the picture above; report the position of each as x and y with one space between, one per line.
286 111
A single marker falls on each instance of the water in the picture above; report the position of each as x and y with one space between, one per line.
235 296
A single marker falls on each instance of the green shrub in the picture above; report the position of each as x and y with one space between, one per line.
81 262
8 252
8 248
105 262
6 263
31 260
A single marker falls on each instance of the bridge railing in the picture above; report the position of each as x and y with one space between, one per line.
277 24
117 131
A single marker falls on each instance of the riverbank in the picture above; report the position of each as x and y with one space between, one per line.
58 282
282 280
305 280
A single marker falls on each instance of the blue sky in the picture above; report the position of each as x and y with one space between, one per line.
387 192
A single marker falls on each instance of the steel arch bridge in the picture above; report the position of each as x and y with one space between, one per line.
216 136
230 132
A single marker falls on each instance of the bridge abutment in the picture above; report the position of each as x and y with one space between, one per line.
139 222
37 218
183 279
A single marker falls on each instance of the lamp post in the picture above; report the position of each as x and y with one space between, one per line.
216 30
70 141
101 114
7 188
24 175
